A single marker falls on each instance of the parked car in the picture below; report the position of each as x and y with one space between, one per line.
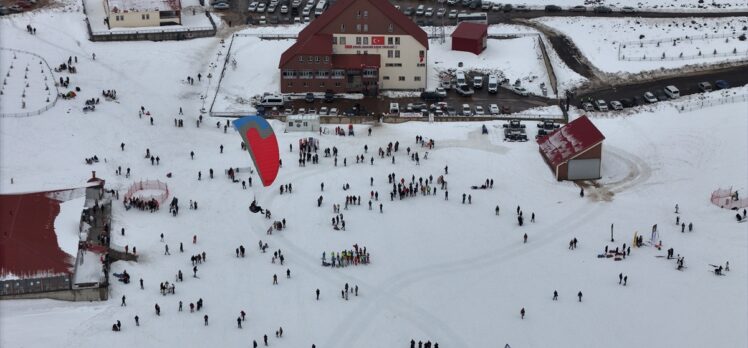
466 110
429 12
261 7
252 6
323 111
507 8
522 8
465 91
493 109
628 102
579 8
262 20
603 9
221 6
408 11
431 96
520 90
588 107
721 84
672 92
309 98
420 10
452 14
705 86
616 105
333 112
628 9
660 95
478 82
440 12
441 91
479 111
601 105
284 9
329 96
394 108
650 97
553 8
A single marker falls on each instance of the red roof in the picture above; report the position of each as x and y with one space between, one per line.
335 10
355 61
468 30
570 140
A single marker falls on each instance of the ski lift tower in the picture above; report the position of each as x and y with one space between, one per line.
437 32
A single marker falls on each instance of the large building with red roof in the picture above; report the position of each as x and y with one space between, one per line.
574 151
356 46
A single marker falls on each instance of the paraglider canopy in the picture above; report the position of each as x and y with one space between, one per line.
262 146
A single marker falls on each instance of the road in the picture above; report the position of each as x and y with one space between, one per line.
686 83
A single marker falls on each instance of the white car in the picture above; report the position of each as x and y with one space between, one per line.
441 92
221 6
466 110
441 12
649 97
601 105
261 7
323 111
479 111
493 109
252 6
263 20
453 14
520 90
616 105
429 12
284 9
333 112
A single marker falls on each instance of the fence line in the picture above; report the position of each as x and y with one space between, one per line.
149 185
50 105
683 39
700 104
685 57
220 79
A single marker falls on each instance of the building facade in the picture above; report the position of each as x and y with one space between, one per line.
142 13
357 46
470 37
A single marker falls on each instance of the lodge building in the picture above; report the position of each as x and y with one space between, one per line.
356 46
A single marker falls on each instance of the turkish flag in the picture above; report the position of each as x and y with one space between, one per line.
377 40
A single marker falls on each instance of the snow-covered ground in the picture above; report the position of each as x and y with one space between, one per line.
442 271
67 224
193 18
600 39
645 5
28 85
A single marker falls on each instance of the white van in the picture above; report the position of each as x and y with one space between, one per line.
271 100
672 92
461 81
493 84
394 108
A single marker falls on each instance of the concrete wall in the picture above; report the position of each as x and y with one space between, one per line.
89 294
593 152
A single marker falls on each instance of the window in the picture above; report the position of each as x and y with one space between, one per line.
358 27
337 84
305 74
421 65
310 59
366 28
338 74
342 40
358 14
334 40
301 59
342 28
290 124
366 52
366 13
390 40
416 78
322 85
358 40
366 40
397 40
401 78
397 53
289 74
306 84
386 78
327 59
316 59
358 51
306 123
290 84
370 73
390 28
421 53
323 74
395 65
389 54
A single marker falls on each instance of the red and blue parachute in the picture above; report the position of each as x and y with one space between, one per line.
262 146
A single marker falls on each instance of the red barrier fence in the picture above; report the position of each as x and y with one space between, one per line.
148 185
728 199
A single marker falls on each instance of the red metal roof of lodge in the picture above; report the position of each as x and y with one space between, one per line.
355 61
334 11
570 140
468 30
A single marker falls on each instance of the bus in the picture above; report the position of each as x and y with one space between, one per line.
321 7
475 17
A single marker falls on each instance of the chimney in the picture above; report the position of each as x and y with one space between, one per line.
93 174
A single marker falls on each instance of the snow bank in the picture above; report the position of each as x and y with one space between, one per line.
67 224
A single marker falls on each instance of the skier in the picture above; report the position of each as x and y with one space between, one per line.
555 295
205 319
275 279
122 146
525 238
620 278
124 304
497 210
625 279
158 309
288 272
317 294
141 283
265 339
522 313
239 322
137 321
580 296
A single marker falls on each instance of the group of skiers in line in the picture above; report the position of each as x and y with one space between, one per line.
142 204
422 344
347 257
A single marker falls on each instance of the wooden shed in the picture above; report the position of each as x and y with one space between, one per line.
574 151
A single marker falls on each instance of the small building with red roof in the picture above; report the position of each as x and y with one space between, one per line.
356 46
470 37
574 151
